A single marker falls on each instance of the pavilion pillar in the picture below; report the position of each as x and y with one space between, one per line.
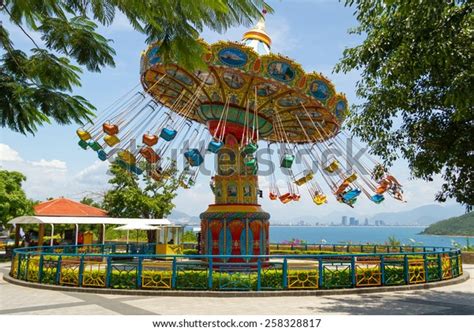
40 234
102 233
17 235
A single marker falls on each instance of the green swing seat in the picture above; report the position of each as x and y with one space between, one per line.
250 148
287 161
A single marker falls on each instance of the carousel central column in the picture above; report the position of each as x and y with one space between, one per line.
235 224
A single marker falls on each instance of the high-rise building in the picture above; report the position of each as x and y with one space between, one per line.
344 220
352 221
366 221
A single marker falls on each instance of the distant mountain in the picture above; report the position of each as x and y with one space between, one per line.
455 226
424 215
180 217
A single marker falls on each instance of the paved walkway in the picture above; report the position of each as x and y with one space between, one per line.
455 299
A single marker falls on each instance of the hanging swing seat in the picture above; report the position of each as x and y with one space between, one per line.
136 170
285 198
273 196
287 161
157 174
187 184
340 190
215 146
397 193
352 178
194 157
102 155
295 197
111 140
150 139
332 167
83 144
351 194
95 146
149 154
320 199
250 148
127 157
122 164
377 198
83 134
305 177
110 129
168 134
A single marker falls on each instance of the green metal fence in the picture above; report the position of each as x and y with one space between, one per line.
132 266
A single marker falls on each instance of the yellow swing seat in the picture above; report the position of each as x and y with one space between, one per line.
333 166
320 199
303 180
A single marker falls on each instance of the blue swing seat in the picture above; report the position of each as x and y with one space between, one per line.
351 194
102 155
168 134
194 157
136 170
377 198
215 146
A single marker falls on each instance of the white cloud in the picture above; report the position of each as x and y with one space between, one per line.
8 154
54 164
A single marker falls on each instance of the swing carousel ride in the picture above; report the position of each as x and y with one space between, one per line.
246 97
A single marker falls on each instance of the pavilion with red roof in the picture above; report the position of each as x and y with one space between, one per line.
67 207
66 211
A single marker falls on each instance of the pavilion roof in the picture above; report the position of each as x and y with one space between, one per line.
67 207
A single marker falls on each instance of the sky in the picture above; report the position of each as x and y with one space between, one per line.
312 32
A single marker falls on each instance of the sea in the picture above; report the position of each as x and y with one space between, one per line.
409 235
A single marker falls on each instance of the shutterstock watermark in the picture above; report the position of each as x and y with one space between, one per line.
228 161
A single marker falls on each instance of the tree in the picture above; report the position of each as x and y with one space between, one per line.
131 199
13 200
36 88
416 84
90 202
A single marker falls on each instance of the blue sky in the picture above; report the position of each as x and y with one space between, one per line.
312 32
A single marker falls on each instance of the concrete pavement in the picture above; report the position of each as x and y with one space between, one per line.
454 299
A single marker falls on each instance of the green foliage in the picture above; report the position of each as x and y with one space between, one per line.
90 202
13 200
416 64
131 199
189 237
392 241
455 226
35 89
190 251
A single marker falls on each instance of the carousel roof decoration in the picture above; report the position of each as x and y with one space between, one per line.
256 96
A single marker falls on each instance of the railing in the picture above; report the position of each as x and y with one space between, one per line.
132 266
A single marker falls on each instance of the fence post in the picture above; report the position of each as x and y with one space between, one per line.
285 273
353 268
406 269
108 273
58 269
440 267
27 256
40 268
174 273
209 274
139 272
81 270
425 266
382 267
320 272
19 265
259 276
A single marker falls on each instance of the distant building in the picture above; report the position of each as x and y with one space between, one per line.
366 221
344 220
353 221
